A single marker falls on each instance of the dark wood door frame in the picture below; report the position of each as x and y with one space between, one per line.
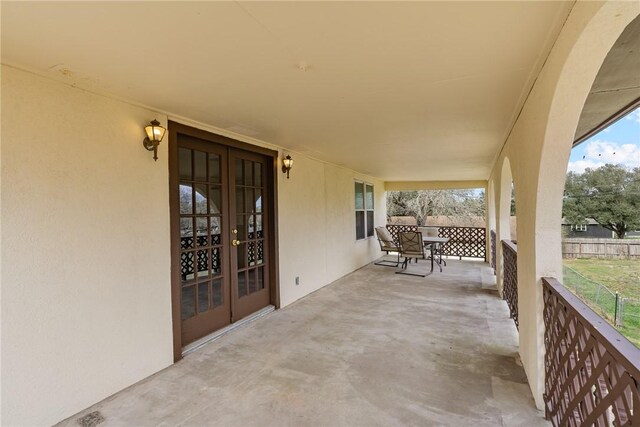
174 200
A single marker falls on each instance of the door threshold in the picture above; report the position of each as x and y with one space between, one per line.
189 348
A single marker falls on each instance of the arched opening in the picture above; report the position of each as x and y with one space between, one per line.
505 224
542 307
601 202
506 196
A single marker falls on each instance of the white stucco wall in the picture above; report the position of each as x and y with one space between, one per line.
317 226
85 267
537 152
86 307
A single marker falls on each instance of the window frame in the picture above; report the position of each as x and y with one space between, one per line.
365 209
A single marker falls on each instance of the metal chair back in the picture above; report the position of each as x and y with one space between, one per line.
411 245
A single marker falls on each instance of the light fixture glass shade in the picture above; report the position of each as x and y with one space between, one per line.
287 162
154 131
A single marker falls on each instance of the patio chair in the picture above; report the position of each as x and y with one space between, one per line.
412 247
387 245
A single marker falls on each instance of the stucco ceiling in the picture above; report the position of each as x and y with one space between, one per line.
401 91
617 85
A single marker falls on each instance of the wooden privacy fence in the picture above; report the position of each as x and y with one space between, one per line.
467 242
601 248
592 373
510 278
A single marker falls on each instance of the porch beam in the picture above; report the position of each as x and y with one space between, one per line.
432 185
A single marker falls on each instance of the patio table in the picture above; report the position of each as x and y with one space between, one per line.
434 242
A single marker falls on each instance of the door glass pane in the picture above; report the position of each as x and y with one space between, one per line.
202 228
250 227
359 195
242 284
188 301
242 255
248 172
360 225
217 293
239 172
369 196
369 223
214 168
203 263
258 202
259 225
187 266
184 164
186 198
201 198
240 200
260 271
251 253
242 228
186 233
216 227
257 174
260 251
216 262
253 286
203 297
214 199
250 201
200 165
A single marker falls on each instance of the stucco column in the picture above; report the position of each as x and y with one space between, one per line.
538 150
489 218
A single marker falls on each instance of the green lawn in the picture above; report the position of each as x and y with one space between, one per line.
622 276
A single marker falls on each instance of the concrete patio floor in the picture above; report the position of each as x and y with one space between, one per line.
372 349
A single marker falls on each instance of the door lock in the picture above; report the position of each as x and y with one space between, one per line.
235 242
234 231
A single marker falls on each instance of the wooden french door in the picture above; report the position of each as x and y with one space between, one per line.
222 215
250 255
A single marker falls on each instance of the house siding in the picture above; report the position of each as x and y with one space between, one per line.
595 231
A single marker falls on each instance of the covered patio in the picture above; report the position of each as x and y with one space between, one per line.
116 260
372 348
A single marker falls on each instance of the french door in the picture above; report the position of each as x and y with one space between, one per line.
222 208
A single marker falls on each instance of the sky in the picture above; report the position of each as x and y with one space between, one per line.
617 144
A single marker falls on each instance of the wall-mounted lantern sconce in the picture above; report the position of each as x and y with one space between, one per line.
287 164
155 133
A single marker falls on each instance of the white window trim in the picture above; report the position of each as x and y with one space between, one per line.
365 210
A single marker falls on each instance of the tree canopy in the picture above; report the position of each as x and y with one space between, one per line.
610 195
424 203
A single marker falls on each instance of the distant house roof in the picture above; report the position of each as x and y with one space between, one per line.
403 220
456 221
590 221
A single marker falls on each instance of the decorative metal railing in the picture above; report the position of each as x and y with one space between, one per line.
203 257
493 251
592 373
510 278
463 241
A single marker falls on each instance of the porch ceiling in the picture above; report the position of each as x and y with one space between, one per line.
400 91
617 85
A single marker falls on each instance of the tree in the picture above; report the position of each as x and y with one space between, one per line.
609 194
424 203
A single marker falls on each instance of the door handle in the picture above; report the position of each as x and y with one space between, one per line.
235 242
